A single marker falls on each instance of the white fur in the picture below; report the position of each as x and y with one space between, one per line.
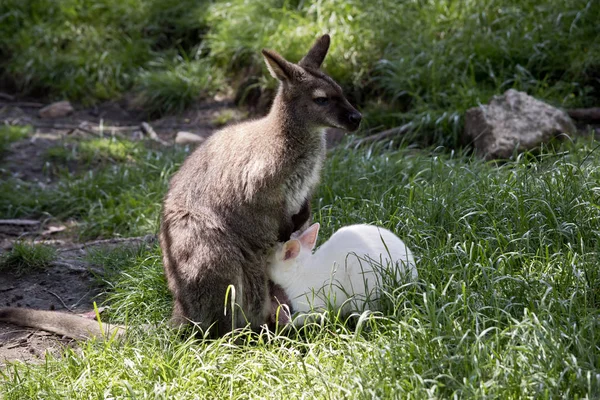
345 272
297 195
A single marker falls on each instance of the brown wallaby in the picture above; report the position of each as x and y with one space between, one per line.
246 188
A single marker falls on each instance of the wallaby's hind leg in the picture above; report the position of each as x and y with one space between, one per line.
178 317
202 302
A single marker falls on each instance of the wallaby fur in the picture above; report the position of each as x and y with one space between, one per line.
70 325
248 186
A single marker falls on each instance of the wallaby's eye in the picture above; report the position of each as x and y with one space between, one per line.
321 101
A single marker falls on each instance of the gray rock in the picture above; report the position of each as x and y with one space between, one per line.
512 121
57 110
188 138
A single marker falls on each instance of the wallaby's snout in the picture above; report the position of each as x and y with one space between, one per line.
354 118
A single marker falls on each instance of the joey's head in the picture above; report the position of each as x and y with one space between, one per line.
308 95
290 257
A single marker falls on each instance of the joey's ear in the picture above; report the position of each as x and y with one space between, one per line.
279 67
291 249
315 56
308 238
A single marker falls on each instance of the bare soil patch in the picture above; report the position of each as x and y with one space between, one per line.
69 284
25 159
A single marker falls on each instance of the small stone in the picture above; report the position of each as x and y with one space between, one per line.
57 110
183 137
514 121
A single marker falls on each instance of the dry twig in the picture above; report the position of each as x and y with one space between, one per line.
397 131
144 239
151 133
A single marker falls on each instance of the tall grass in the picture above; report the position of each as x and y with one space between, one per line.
421 61
425 62
88 50
461 53
506 305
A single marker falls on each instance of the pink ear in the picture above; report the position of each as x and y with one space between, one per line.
291 249
308 238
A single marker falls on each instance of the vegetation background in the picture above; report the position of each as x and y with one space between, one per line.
424 61
508 297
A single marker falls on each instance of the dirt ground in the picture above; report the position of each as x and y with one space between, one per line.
25 160
69 284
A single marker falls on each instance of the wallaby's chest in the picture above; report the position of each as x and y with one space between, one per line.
303 179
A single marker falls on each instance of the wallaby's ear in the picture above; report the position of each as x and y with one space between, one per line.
279 67
308 238
315 56
291 249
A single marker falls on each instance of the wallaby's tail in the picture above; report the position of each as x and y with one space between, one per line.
69 325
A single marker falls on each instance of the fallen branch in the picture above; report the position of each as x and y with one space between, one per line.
585 114
27 104
149 131
400 130
6 289
93 129
49 242
23 104
98 129
144 239
82 129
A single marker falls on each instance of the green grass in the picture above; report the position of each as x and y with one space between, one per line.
88 50
508 297
226 117
24 257
117 192
424 62
96 152
10 134
171 87
506 305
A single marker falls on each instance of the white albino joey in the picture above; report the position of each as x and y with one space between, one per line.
346 273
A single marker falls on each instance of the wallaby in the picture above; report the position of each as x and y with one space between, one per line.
346 272
248 186
243 190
